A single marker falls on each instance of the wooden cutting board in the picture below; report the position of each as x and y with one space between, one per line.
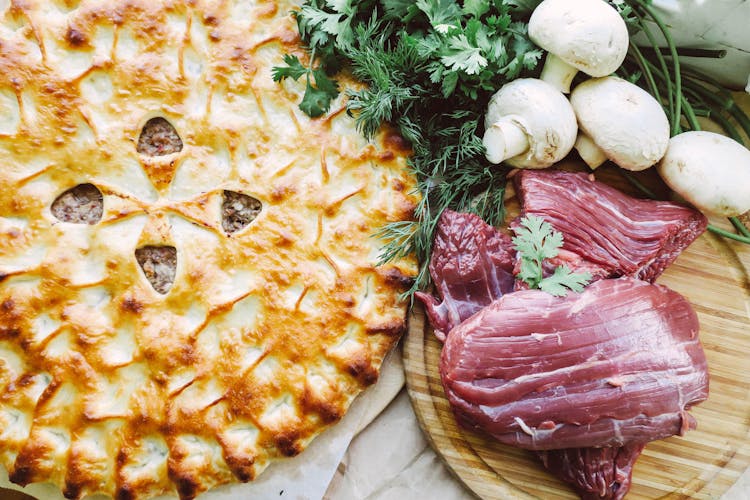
702 465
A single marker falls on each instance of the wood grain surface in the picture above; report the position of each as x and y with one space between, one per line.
713 274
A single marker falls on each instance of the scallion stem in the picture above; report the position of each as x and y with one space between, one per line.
740 227
677 111
689 52
660 60
647 73
638 184
727 234
689 114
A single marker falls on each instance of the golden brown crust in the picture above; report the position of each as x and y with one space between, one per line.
267 333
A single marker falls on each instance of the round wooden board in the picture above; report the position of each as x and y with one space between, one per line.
702 465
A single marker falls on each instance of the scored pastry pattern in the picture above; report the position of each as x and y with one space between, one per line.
268 326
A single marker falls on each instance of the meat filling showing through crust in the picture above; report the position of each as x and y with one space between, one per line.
82 204
159 138
238 210
159 264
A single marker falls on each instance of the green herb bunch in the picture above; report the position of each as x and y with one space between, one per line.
430 67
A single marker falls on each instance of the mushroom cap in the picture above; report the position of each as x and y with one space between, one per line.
587 34
544 115
624 120
710 171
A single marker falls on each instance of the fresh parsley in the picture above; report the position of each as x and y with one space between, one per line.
320 89
536 241
469 49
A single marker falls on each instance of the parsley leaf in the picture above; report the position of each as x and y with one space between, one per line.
536 241
317 99
476 8
563 279
293 69
325 21
442 14
403 10
343 6
461 55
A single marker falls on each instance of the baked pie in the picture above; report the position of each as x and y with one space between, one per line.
189 285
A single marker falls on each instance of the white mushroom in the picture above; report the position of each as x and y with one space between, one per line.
529 124
619 121
580 35
710 171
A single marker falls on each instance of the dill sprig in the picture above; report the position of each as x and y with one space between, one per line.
451 173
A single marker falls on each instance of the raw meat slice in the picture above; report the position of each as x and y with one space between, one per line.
619 234
595 473
602 473
619 363
471 265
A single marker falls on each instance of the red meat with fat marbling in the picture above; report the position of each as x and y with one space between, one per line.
605 231
471 265
618 364
602 473
607 234
596 473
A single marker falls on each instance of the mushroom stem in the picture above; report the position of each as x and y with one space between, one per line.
503 140
589 151
558 73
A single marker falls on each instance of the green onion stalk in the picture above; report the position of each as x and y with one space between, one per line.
685 93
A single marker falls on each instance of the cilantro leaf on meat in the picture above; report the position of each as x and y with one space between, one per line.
562 280
536 241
